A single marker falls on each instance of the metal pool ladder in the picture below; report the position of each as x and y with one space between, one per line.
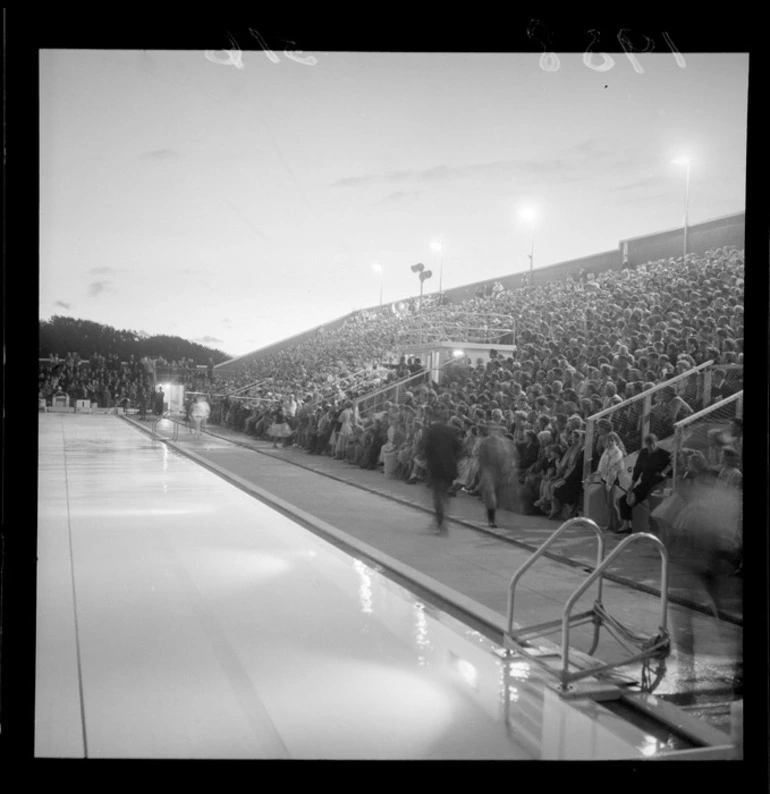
167 415
520 640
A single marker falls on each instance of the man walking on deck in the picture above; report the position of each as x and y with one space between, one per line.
443 448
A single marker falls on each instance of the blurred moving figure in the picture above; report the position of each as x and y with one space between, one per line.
703 536
443 448
495 464
200 413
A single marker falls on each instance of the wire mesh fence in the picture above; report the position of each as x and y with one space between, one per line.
706 432
654 411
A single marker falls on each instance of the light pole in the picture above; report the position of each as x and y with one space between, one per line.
424 276
439 247
685 161
377 268
529 214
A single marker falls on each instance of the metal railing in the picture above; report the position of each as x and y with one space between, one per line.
634 435
254 385
518 641
685 431
174 417
584 522
658 643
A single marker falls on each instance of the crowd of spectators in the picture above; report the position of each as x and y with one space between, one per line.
582 345
104 380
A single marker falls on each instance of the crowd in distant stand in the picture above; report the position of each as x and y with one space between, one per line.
583 345
109 382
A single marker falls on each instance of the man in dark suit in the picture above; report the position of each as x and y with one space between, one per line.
443 448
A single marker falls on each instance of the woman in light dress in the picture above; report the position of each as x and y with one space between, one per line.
610 468
280 427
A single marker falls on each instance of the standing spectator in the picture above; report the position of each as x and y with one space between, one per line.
280 427
160 399
610 468
495 464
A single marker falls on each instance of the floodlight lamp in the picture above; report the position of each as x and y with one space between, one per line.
528 214
681 161
426 274
418 268
436 246
458 353
377 267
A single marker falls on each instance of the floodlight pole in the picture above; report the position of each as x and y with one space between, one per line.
532 256
686 207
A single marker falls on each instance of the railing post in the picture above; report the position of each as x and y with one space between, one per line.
707 388
646 408
589 449
739 407
675 457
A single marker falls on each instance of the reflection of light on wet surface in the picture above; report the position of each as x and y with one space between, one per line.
519 669
365 586
650 746
465 670
421 632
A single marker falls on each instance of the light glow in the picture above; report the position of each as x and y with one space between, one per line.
436 246
528 214
681 161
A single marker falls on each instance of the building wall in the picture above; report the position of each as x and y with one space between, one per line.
701 237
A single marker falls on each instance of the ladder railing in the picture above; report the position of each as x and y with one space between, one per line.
566 676
573 522
518 641
173 416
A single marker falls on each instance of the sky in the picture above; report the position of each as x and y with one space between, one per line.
237 204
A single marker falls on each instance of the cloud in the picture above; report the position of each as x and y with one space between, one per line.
208 340
63 304
160 154
573 164
652 179
399 196
101 270
227 322
187 271
97 287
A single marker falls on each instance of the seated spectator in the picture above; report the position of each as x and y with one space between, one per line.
652 467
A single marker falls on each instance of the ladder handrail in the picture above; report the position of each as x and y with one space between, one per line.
173 416
597 573
539 553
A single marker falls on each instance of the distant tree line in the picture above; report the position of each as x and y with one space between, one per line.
62 335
